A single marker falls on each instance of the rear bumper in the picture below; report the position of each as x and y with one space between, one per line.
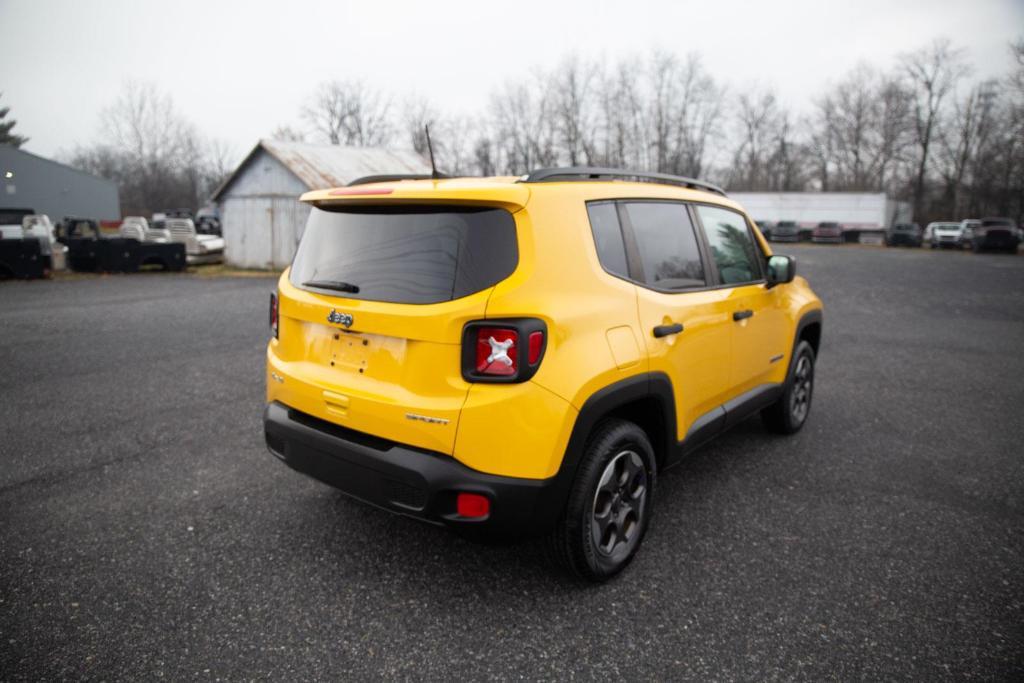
830 239
409 481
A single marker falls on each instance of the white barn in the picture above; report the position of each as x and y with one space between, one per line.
261 216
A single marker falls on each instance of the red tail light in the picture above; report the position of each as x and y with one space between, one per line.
273 314
497 351
491 349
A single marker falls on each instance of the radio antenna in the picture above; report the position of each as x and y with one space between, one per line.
433 168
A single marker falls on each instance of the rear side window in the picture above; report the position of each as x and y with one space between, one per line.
666 244
411 255
604 222
732 246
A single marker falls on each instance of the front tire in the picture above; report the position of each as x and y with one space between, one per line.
609 506
789 413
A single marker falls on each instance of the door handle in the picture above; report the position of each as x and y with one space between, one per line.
666 330
742 315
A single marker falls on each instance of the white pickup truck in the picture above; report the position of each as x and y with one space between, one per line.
199 248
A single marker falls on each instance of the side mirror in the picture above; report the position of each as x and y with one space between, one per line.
781 269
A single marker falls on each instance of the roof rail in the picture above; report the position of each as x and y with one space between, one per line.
597 173
367 179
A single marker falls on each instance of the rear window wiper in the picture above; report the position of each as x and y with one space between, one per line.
336 285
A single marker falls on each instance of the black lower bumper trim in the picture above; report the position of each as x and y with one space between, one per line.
410 481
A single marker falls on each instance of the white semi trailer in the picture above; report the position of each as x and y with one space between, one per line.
863 216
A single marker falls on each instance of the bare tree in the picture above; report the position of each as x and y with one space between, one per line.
572 94
157 157
417 114
1016 77
757 119
622 140
286 133
523 125
861 130
932 73
453 138
349 113
484 156
894 127
966 133
143 122
699 111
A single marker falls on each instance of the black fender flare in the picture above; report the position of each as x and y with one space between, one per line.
810 317
648 385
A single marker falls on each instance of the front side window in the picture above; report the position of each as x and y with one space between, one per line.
667 245
732 246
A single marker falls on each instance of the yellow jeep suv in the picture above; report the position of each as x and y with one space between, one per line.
523 356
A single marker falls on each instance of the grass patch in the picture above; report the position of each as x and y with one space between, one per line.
223 270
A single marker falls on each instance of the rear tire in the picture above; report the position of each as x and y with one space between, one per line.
790 412
609 505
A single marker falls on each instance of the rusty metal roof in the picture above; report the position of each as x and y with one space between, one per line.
326 166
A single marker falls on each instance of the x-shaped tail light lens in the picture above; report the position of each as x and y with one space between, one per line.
497 351
503 350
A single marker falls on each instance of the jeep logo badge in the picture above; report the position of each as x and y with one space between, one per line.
339 318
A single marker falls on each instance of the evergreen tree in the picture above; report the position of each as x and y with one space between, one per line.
6 136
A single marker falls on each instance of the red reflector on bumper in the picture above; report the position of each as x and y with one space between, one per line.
472 505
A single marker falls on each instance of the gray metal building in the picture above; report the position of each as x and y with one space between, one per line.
261 216
32 182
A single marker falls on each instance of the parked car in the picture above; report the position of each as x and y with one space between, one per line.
905 234
89 250
995 234
199 248
945 235
561 321
207 221
827 232
765 227
786 231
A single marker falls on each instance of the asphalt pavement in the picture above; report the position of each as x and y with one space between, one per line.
145 531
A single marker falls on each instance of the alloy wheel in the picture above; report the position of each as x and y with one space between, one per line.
800 398
619 505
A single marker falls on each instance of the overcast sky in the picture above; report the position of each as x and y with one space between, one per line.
239 69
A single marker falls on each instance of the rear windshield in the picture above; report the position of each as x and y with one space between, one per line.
409 255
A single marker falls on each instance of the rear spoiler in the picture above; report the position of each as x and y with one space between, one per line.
470 191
